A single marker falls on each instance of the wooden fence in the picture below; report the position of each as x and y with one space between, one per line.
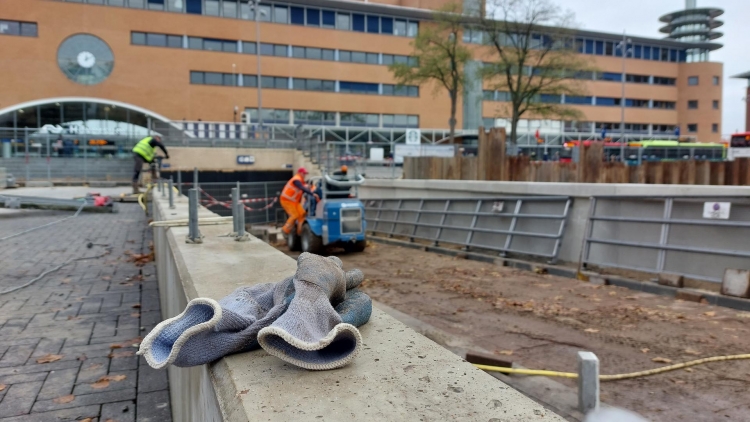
491 163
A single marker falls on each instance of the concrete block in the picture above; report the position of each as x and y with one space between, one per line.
736 283
672 280
588 382
689 295
13 203
102 184
487 359
38 184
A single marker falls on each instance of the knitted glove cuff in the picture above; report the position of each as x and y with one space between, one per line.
162 345
342 344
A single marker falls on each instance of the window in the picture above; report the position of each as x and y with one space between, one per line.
692 128
196 78
358 88
360 119
297 15
298 52
345 56
24 29
659 80
280 14
629 102
343 21
666 105
138 38
609 48
313 85
386 25
372 58
693 80
399 28
609 76
329 19
209 44
412 29
314 117
400 90
717 80
249 47
715 128
358 57
637 79
250 81
387 59
400 120
313 17
692 104
313 53
230 8
358 22
573 99
280 50
716 104
607 101
274 82
329 55
373 24
156 40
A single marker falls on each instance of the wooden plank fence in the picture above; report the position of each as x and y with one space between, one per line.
492 163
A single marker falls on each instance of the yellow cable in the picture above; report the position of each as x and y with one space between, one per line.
616 377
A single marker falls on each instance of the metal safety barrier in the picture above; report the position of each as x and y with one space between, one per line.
670 235
528 225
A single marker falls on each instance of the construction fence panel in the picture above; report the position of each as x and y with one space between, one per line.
527 226
669 235
260 199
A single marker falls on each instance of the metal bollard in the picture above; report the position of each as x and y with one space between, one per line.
163 184
235 217
240 220
171 193
194 235
588 382
195 178
179 182
158 185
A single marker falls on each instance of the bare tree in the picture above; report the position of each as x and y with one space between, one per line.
441 57
533 59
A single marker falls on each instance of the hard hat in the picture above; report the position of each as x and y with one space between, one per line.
344 169
302 170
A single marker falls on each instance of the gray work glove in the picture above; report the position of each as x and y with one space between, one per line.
318 330
208 330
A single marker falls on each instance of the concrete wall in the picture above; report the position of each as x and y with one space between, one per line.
78 169
581 192
225 159
399 375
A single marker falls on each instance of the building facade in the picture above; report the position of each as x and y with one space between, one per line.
322 62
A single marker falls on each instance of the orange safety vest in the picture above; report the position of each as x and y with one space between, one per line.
290 192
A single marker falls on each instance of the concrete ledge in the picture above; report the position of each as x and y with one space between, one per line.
102 184
38 184
400 375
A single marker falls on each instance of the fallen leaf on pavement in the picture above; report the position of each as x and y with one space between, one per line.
688 369
102 383
49 358
72 318
118 355
115 346
2 387
135 315
709 314
106 278
137 305
116 378
661 360
693 352
631 297
64 399
82 357
506 352
645 350
93 367
87 420
591 330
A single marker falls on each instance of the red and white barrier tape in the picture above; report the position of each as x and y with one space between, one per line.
211 201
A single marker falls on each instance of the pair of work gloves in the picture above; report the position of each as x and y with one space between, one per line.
308 320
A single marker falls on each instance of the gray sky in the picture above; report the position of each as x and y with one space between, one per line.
641 17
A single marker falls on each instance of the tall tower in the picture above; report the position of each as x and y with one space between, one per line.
694 24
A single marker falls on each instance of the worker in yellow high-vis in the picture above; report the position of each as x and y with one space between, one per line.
145 152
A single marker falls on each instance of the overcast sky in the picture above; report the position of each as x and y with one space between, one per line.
641 17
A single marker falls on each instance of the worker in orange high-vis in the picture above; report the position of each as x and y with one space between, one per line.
291 200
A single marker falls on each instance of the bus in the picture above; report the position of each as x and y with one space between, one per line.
664 150
739 146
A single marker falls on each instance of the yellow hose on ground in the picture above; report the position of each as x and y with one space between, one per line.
616 377
140 201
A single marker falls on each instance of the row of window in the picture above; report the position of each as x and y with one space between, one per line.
693 104
695 80
24 29
645 128
504 96
302 84
595 47
266 49
278 13
329 118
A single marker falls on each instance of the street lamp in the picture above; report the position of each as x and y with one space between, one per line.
255 6
623 46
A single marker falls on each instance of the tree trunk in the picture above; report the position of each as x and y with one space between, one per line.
514 127
452 121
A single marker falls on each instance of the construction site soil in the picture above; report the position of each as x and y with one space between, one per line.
541 321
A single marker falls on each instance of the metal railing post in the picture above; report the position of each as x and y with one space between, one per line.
194 235
49 170
442 222
240 220
474 219
195 178
235 210
513 222
268 215
179 182
26 147
171 193
163 184
664 236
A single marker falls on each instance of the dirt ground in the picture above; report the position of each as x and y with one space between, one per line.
541 321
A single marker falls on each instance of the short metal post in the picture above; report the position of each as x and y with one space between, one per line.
163 184
179 182
235 211
26 147
158 184
268 209
240 220
195 178
171 193
588 382
194 235
49 170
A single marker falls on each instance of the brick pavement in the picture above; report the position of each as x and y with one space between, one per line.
90 314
